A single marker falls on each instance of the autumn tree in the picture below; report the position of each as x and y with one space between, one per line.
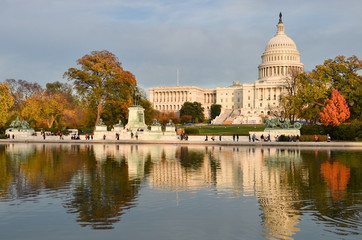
100 75
336 110
54 105
165 117
313 89
311 96
341 73
20 91
195 110
6 102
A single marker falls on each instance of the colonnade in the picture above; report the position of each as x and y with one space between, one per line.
209 98
168 107
278 71
170 96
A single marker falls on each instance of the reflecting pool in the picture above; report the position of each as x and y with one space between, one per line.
50 191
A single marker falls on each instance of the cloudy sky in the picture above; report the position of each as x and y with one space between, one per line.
211 42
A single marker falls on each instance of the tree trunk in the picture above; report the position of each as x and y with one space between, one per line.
99 109
51 121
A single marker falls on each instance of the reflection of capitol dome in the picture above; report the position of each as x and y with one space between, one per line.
281 57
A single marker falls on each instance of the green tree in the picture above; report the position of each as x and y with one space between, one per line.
195 110
150 113
100 76
215 110
116 107
6 102
311 96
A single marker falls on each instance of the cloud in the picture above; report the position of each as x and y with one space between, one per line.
211 42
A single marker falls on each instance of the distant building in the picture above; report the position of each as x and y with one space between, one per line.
172 98
246 103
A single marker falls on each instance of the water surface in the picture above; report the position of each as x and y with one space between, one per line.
50 191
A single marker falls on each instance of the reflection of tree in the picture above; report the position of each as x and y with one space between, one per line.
5 174
102 192
30 168
329 172
190 159
337 177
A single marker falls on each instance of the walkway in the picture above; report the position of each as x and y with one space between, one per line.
194 140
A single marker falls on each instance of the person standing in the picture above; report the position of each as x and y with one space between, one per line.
237 137
136 135
234 137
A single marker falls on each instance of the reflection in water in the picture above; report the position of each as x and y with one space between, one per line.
102 182
337 177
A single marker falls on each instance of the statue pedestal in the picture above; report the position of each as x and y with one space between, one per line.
156 129
118 129
170 131
19 132
100 131
136 118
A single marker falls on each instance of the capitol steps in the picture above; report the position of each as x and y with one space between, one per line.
222 117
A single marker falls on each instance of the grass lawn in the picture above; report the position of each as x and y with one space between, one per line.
225 129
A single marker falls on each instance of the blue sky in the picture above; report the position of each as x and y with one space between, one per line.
211 42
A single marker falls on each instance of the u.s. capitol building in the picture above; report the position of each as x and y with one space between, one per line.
246 103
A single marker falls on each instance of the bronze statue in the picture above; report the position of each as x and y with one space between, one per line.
136 96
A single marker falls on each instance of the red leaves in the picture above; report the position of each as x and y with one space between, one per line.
336 111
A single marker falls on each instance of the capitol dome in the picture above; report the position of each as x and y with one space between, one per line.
281 56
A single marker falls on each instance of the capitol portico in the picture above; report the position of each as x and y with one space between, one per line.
246 103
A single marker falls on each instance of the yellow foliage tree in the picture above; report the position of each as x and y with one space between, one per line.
46 108
6 102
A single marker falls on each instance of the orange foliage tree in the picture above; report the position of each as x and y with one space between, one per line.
165 117
336 111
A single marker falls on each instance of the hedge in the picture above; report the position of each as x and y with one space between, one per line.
345 132
311 138
313 130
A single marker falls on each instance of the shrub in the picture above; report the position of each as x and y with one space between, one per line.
345 132
349 132
85 130
313 130
283 138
